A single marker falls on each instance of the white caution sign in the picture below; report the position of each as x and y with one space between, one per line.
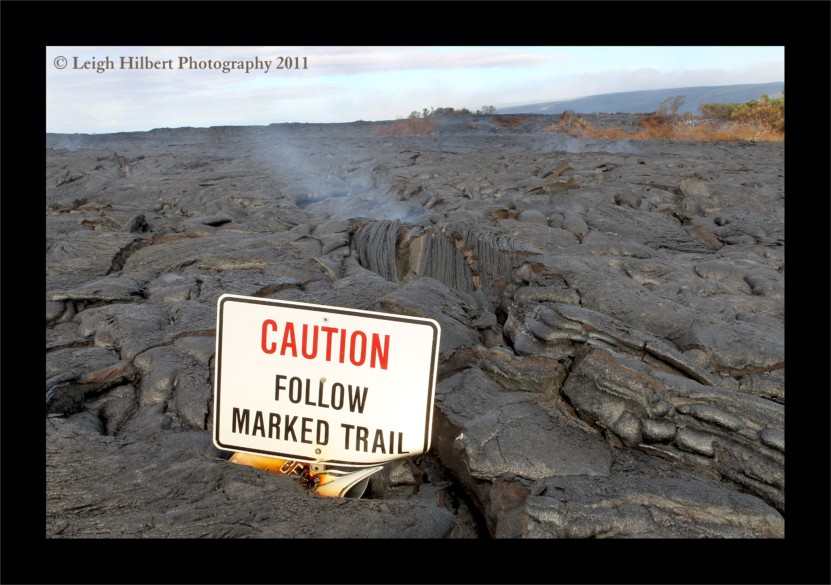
322 384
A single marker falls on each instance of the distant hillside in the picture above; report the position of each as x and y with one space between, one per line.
632 102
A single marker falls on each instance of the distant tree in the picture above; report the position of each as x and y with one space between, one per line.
670 106
443 112
717 111
486 110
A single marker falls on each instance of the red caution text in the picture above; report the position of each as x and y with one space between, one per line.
358 348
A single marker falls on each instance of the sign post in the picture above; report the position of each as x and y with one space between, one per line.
321 384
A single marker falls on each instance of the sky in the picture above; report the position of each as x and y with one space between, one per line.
120 89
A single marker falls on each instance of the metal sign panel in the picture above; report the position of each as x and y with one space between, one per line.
322 384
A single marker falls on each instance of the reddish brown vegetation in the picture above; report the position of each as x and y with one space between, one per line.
655 127
410 126
507 121
762 120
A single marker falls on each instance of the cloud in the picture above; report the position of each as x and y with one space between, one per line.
356 60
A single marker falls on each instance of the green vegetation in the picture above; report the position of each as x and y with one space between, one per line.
766 112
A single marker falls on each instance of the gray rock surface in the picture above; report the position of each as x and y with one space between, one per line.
612 313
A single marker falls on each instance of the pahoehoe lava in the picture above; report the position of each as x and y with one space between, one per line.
612 314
